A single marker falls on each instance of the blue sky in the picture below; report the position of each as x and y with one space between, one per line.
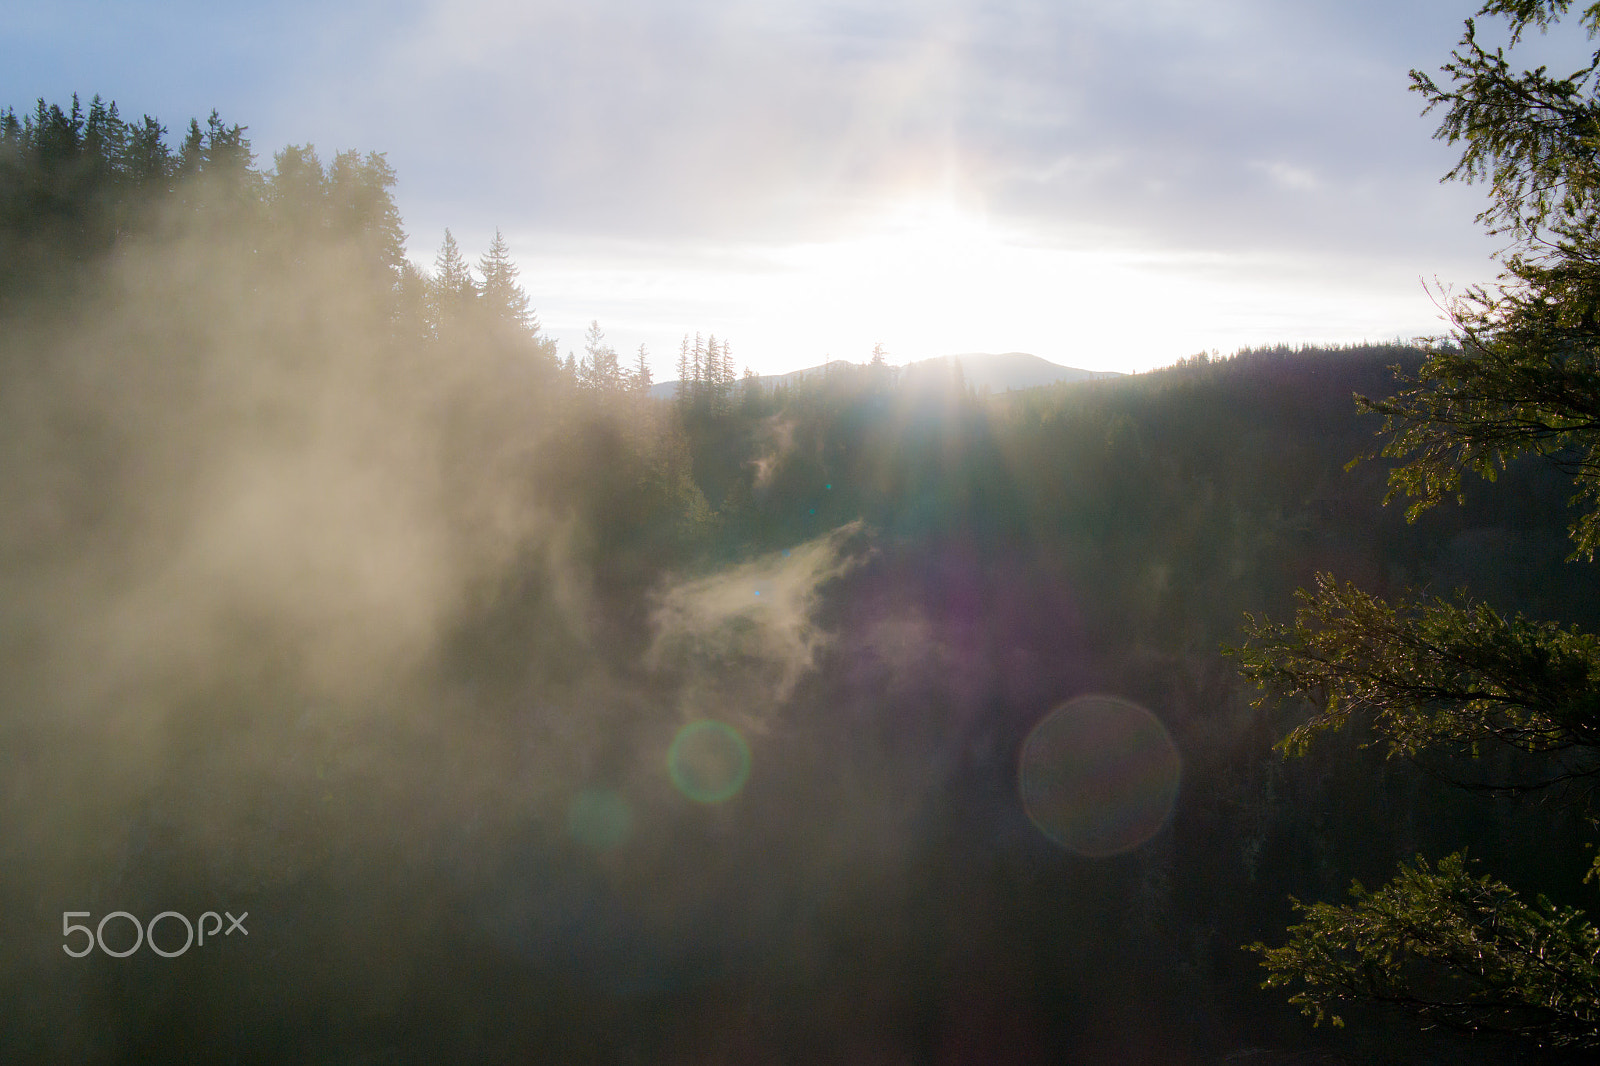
1112 186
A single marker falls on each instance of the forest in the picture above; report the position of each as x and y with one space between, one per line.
334 594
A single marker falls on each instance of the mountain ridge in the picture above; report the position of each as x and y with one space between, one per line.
996 371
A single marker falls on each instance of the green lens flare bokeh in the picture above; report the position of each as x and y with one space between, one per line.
709 761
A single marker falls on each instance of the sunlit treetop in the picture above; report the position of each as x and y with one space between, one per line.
1522 374
1530 134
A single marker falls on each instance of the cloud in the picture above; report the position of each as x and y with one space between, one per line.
720 121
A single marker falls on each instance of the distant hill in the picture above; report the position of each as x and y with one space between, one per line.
1001 372
1013 370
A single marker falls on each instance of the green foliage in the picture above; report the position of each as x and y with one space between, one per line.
1539 13
1525 384
1454 949
72 185
1521 377
1432 674
1525 376
1527 133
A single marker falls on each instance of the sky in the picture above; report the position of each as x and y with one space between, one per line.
1108 186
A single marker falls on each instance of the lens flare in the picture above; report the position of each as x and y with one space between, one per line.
709 761
1099 775
599 819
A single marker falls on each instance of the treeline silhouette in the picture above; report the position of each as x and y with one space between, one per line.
367 579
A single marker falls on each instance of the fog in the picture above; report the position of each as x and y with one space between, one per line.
250 539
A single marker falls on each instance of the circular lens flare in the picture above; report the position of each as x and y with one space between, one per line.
1099 775
709 761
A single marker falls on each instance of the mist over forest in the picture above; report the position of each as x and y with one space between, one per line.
532 717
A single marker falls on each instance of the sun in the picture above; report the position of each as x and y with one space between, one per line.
934 232
921 254
930 275
919 269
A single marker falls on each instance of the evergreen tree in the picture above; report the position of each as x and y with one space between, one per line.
361 207
147 158
227 164
698 354
227 149
452 290
1449 684
600 370
72 183
878 376
59 134
191 155
716 392
297 194
410 317
503 298
641 372
685 385
10 131
730 373
752 389
105 140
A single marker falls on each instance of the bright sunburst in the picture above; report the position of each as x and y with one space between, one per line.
931 276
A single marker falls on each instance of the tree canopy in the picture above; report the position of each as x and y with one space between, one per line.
1491 701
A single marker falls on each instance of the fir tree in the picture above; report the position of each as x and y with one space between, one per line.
730 373
297 194
227 149
147 158
361 207
685 385
503 298
641 372
452 290
716 388
1447 683
191 155
752 389
697 394
600 370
